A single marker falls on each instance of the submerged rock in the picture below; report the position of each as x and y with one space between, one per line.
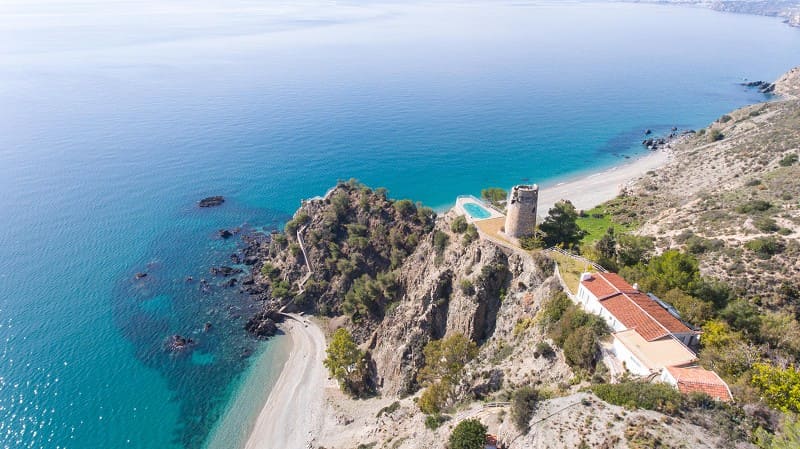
178 343
140 275
224 233
225 271
211 201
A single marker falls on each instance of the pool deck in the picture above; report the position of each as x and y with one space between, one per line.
461 200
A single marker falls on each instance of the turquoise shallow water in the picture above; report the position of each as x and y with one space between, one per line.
117 116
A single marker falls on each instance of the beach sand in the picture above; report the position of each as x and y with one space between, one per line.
587 191
292 415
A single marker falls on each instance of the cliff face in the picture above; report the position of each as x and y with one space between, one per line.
397 277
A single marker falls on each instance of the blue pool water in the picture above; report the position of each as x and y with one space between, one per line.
116 116
476 210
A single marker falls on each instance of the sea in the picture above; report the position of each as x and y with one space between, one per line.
117 116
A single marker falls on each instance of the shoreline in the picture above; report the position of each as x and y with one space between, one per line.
592 187
292 413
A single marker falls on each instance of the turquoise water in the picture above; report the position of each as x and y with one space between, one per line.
476 211
117 116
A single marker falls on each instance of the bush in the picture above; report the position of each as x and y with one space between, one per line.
780 387
270 271
543 349
765 247
725 118
523 404
649 396
470 235
440 241
468 434
715 135
466 287
434 421
435 397
766 224
294 224
788 160
494 195
754 206
389 409
405 207
459 224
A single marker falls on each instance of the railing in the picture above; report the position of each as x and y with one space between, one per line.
595 265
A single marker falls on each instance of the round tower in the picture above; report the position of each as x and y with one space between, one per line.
521 211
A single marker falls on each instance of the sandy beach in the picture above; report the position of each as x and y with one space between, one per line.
292 414
587 191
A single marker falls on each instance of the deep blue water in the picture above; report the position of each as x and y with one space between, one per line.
117 116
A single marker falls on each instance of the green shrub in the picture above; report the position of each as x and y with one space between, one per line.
459 224
389 409
715 135
766 224
494 195
754 206
405 207
725 118
440 241
788 160
466 287
649 396
765 247
434 421
347 363
543 349
470 235
523 404
270 271
468 434
300 219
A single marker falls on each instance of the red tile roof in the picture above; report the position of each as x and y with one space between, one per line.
699 380
632 308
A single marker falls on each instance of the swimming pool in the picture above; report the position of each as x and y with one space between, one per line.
476 211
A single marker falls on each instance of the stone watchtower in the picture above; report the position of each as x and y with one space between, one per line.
521 211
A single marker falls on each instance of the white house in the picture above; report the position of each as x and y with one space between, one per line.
694 379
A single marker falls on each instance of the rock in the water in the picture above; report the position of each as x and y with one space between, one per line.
177 343
225 271
235 259
224 233
647 132
762 86
261 325
250 260
140 275
211 201
230 282
207 327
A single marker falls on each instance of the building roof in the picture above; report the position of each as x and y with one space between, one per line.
698 380
655 354
632 308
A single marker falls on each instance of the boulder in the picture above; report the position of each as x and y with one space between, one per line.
178 343
211 201
224 233
261 325
140 275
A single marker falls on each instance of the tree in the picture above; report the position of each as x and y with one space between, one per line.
346 363
561 226
693 310
523 404
633 249
673 269
445 358
780 387
468 434
494 195
444 361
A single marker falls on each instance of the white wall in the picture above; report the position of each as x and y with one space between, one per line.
633 364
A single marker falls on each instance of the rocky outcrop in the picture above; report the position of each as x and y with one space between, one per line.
788 85
400 278
211 201
762 86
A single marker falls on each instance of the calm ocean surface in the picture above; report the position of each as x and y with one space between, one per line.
117 116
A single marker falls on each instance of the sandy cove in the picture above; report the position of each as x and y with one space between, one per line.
587 191
292 416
